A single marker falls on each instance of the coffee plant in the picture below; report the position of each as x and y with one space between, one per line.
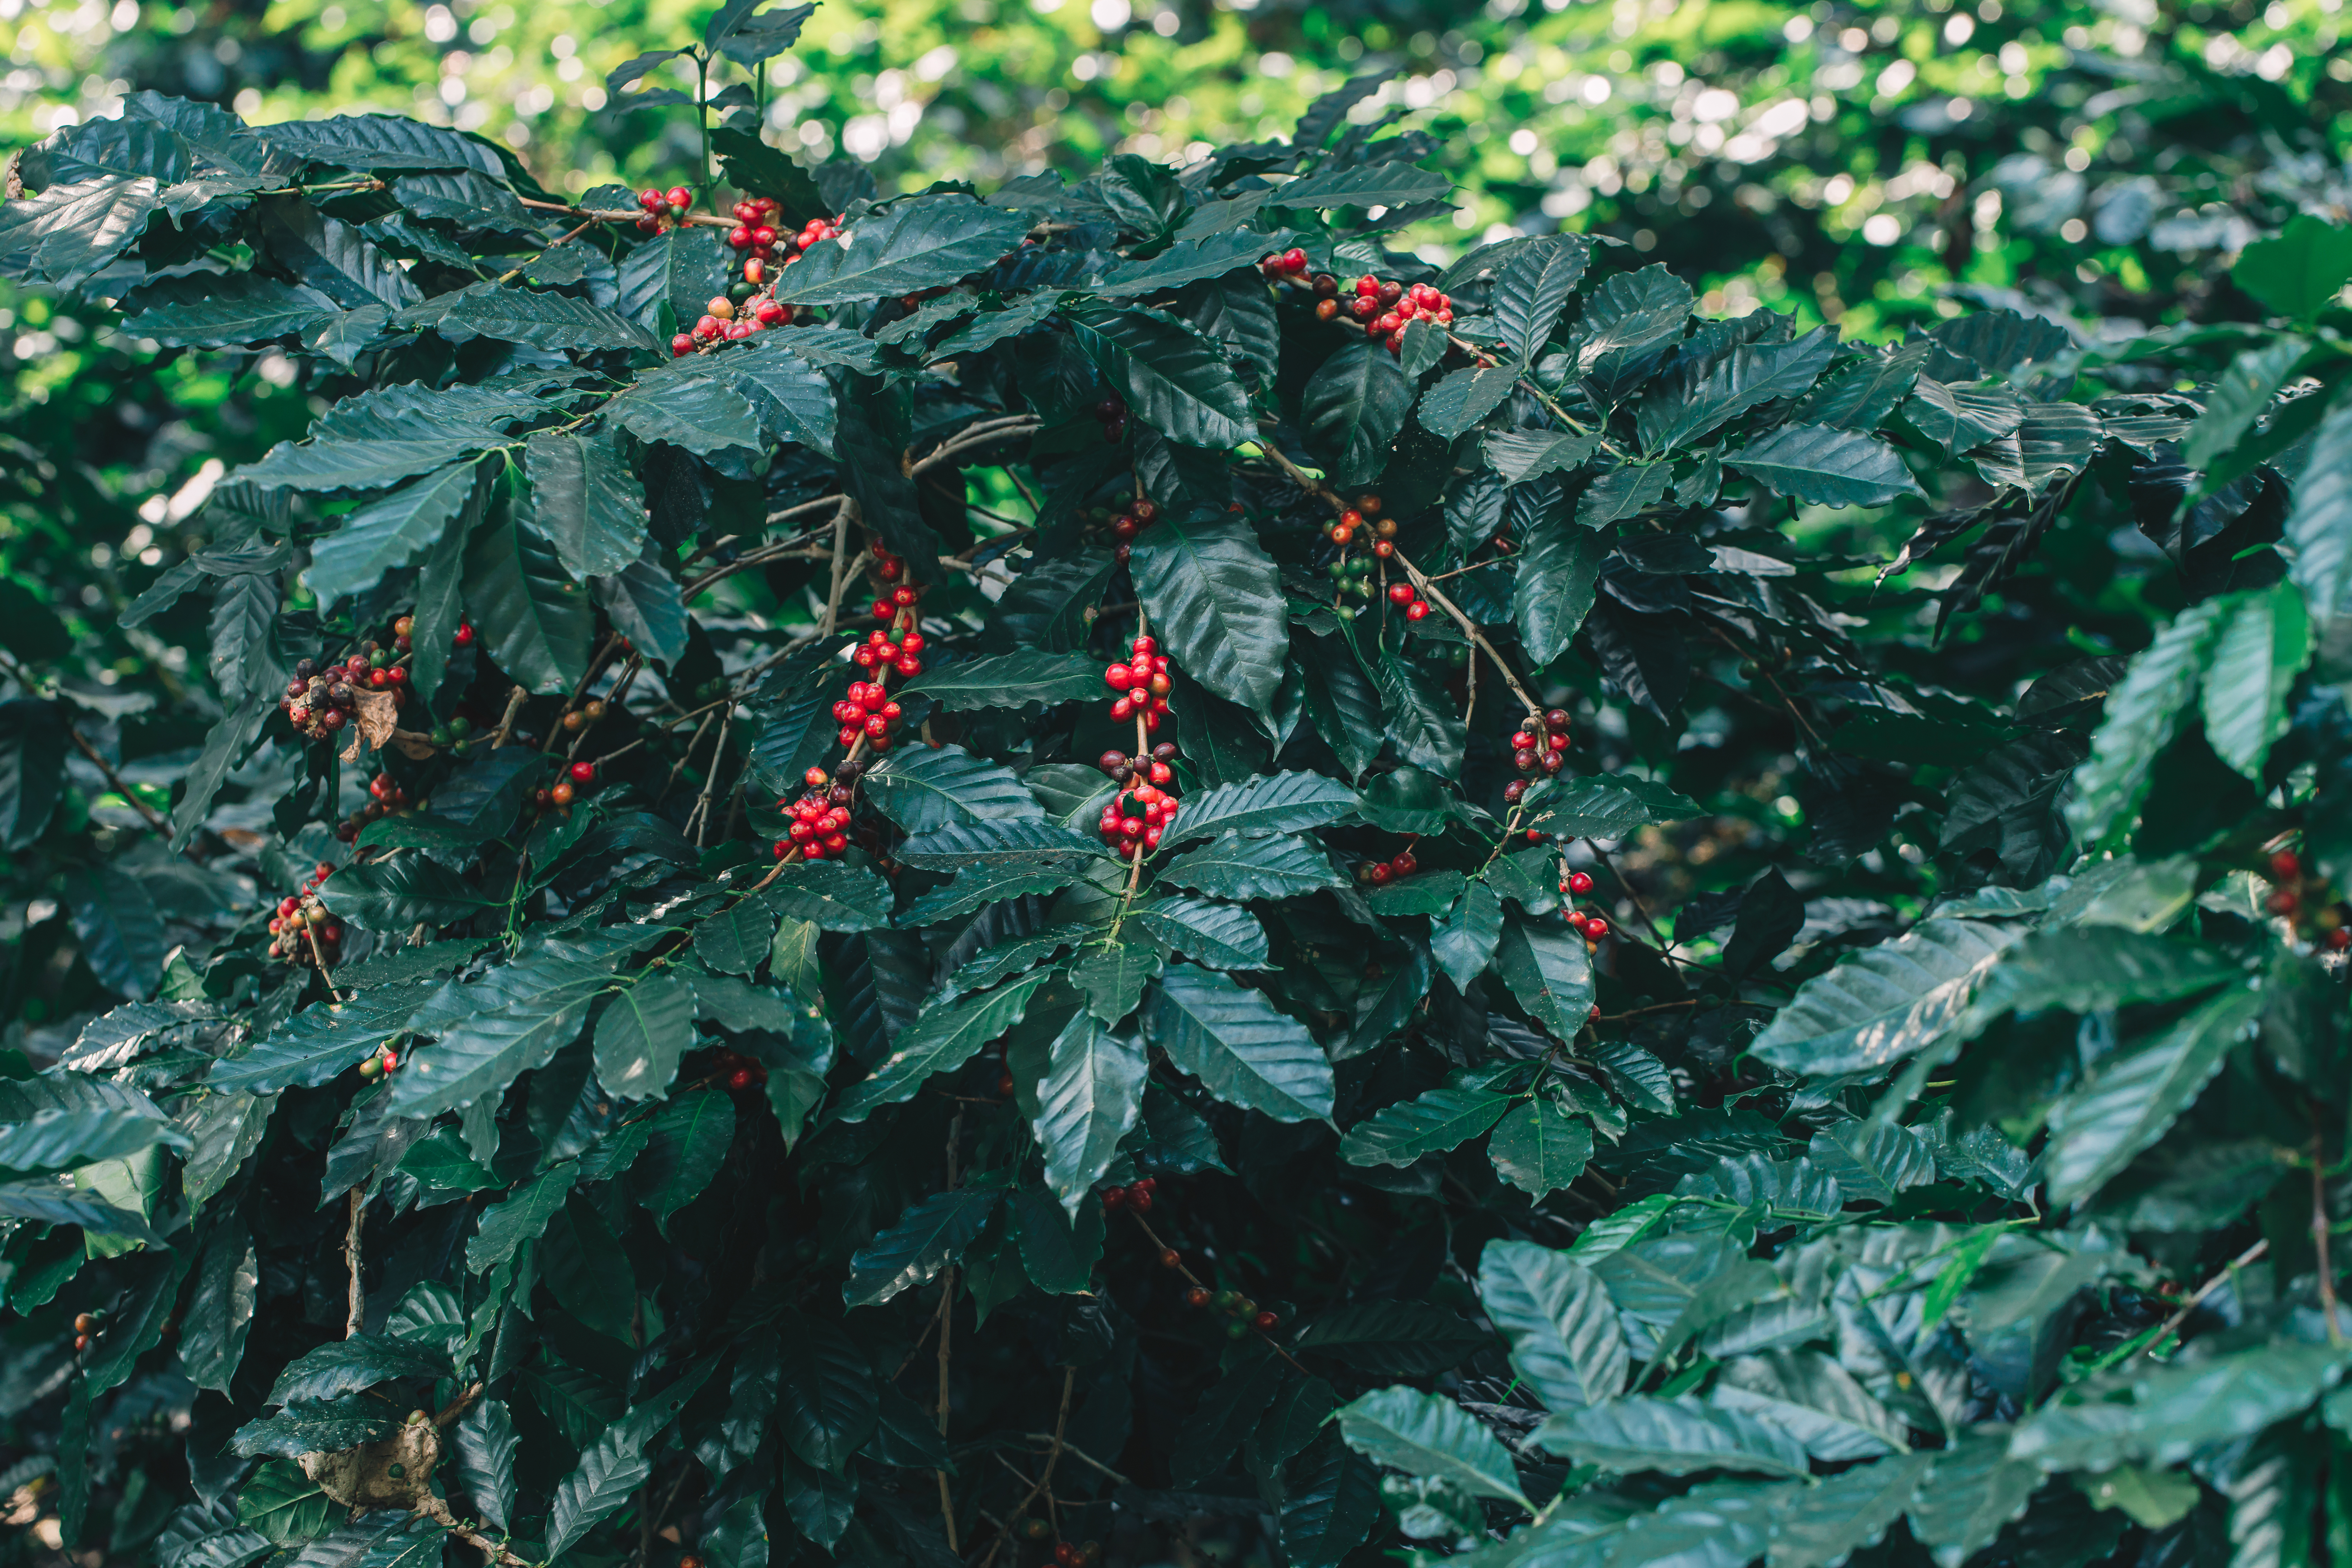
1097 872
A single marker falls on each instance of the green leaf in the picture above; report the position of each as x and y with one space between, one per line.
918 243
387 534
1824 1524
1424 1434
586 502
2319 522
121 931
1395 1339
1884 1003
1679 1436
828 1403
2260 646
1113 978
1553 584
58 1139
1285 802
1421 722
1222 936
925 788
1532 288
285 1505
2298 271
1384 185
320 1042
1174 377
1459 402
67 233
514 315
1970 1492
1010 680
346 1366
830 895
1088 1101
1813 1399
682 269
1872 1160
1565 1339
1612 807
1518 455
484 1054
2134 1097
1549 971
1826 466
1341 703
521 1217
1188 261
220 311
379 142
980 886
536 620
1462 943
1331 1500
928 1236
643 1034
1058 1251
1538 1147
1444 1118
1957 418
2238 397
1225 1415
942 1038
1680 409
2142 711
219 1312
1233 866
1354 405
308 1426
690 1137
485 1445
690 402
734 940
610 1470
32 769
1234 1041
1215 601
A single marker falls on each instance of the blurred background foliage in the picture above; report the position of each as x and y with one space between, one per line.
1877 166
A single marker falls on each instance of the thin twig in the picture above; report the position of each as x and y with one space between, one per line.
987 432
506 720
1632 897
1080 1455
1422 582
155 819
2251 1254
844 515
356 1313
700 818
1052 1457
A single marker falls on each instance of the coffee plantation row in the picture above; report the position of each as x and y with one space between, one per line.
1098 872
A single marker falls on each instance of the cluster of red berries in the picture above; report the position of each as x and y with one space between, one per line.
749 304
574 784
869 713
1245 1313
1130 522
892 568
1082 1554
1112 414
878 652
1135 1196
664 209
1383 306
1146 785
1590 927
820 818
1144 682
386 797
86 1328
1407 598
1342 530
301 916
1380 873
2296 895
1540 745
737 1070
